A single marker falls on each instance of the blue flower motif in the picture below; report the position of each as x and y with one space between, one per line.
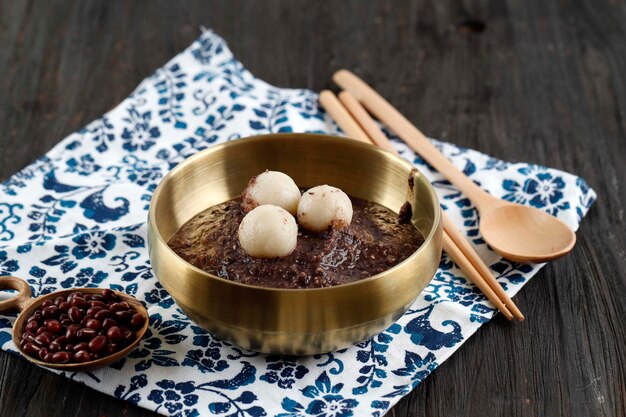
128 394
541 190
100 131
145 176
93 245
8 217
445 285
7 266
159 296
207 360
415 367
87 277
283 371
174 397
85 166
207 46
326 401
307 104
140 134
160 331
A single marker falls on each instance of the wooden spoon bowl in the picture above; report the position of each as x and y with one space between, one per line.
525 234
27 305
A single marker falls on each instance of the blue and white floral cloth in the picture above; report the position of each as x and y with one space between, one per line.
76 217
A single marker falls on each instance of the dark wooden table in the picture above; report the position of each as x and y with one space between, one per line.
541 81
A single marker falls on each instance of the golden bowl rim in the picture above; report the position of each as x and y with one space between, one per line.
303 136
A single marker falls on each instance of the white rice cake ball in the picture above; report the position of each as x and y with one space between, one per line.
272 187
268 231
324 206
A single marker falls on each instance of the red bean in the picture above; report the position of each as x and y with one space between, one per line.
68 347
61 340
28 336
79 302
111 348
58 300
109 294
102 314
93 324
85 319
50 312
41 330
86 334
127 335
35 317
97 297
54 347
97 303
61 357
48 357
71 331
123 316
87 297
108 323
137 321
97 343
42 353
31 349
117 307
43 339
66 322
81 356
31 326
75 314
114 333
64 306
81 346
53 326
46 303
93 310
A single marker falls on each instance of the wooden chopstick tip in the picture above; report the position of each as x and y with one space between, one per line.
326 95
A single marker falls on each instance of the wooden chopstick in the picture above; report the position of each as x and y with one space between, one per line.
472 274
341 116
463 244
453 250
367 123
417 141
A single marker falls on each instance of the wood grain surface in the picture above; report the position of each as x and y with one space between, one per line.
522 80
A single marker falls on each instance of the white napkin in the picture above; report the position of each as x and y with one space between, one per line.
76 217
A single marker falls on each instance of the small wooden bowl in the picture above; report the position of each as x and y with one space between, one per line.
26 305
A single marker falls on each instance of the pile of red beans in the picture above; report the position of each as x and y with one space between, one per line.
81 327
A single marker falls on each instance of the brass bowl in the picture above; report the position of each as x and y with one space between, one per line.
293 321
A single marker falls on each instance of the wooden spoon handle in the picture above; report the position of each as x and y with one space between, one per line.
387 114
21 300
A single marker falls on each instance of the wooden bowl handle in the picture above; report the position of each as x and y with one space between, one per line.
21 300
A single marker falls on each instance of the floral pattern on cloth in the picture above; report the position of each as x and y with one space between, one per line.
76 217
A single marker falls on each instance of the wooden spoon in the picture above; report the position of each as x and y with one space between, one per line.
518 233
26 305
